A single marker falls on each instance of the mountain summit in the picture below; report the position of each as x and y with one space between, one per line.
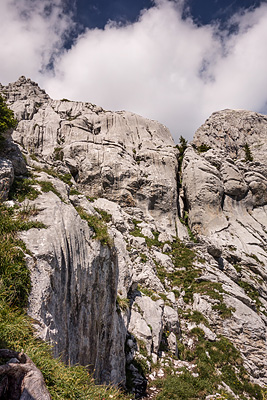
151 264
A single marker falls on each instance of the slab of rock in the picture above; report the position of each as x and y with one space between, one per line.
74 289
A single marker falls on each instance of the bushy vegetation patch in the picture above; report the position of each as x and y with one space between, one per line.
252 293
66 178
98 225
194 316
181 147
203 148
122 303
7 120
23 188
104 215
47 186
216 362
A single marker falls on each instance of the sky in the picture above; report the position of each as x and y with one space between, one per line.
174 61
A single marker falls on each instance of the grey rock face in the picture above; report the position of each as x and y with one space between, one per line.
117 155
230 130
225 197
74 289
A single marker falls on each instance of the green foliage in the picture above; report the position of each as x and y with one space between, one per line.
248 154
122 303
185 274
143 257
142 347
74 192
224 311
210 357
136 231
184 221
153 241
148 292
203 148
47 186
22 189
66 178
14 275
7 120
251 292
34 157
255 258
141 365
195 316
98 225
185 277
181 148
58 154
182 256
63 382
104 215
149 241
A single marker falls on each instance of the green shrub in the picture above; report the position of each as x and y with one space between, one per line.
63 382
143 257
98 225
14 275
22 189
58 154
181 148
203 148
47 186
74 192
7 120
215 362
104 215
248 154
122 303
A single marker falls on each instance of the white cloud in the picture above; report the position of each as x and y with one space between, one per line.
162 67
31 34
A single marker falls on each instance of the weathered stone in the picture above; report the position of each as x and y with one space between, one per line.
74 277
117 155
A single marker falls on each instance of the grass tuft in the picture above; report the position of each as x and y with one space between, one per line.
98 225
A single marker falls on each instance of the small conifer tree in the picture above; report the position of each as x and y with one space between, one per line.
181 147
248 155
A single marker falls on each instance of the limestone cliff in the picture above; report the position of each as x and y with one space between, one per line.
116 281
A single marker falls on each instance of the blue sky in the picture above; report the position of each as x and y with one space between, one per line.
176 61
97 13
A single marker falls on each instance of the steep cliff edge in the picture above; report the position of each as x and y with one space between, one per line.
113 284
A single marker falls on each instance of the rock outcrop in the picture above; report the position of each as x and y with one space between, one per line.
117 155
116 281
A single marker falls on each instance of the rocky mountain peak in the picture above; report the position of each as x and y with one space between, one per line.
231 130
24 89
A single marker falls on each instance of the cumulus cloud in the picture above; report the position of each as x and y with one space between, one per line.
32 33
162 66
